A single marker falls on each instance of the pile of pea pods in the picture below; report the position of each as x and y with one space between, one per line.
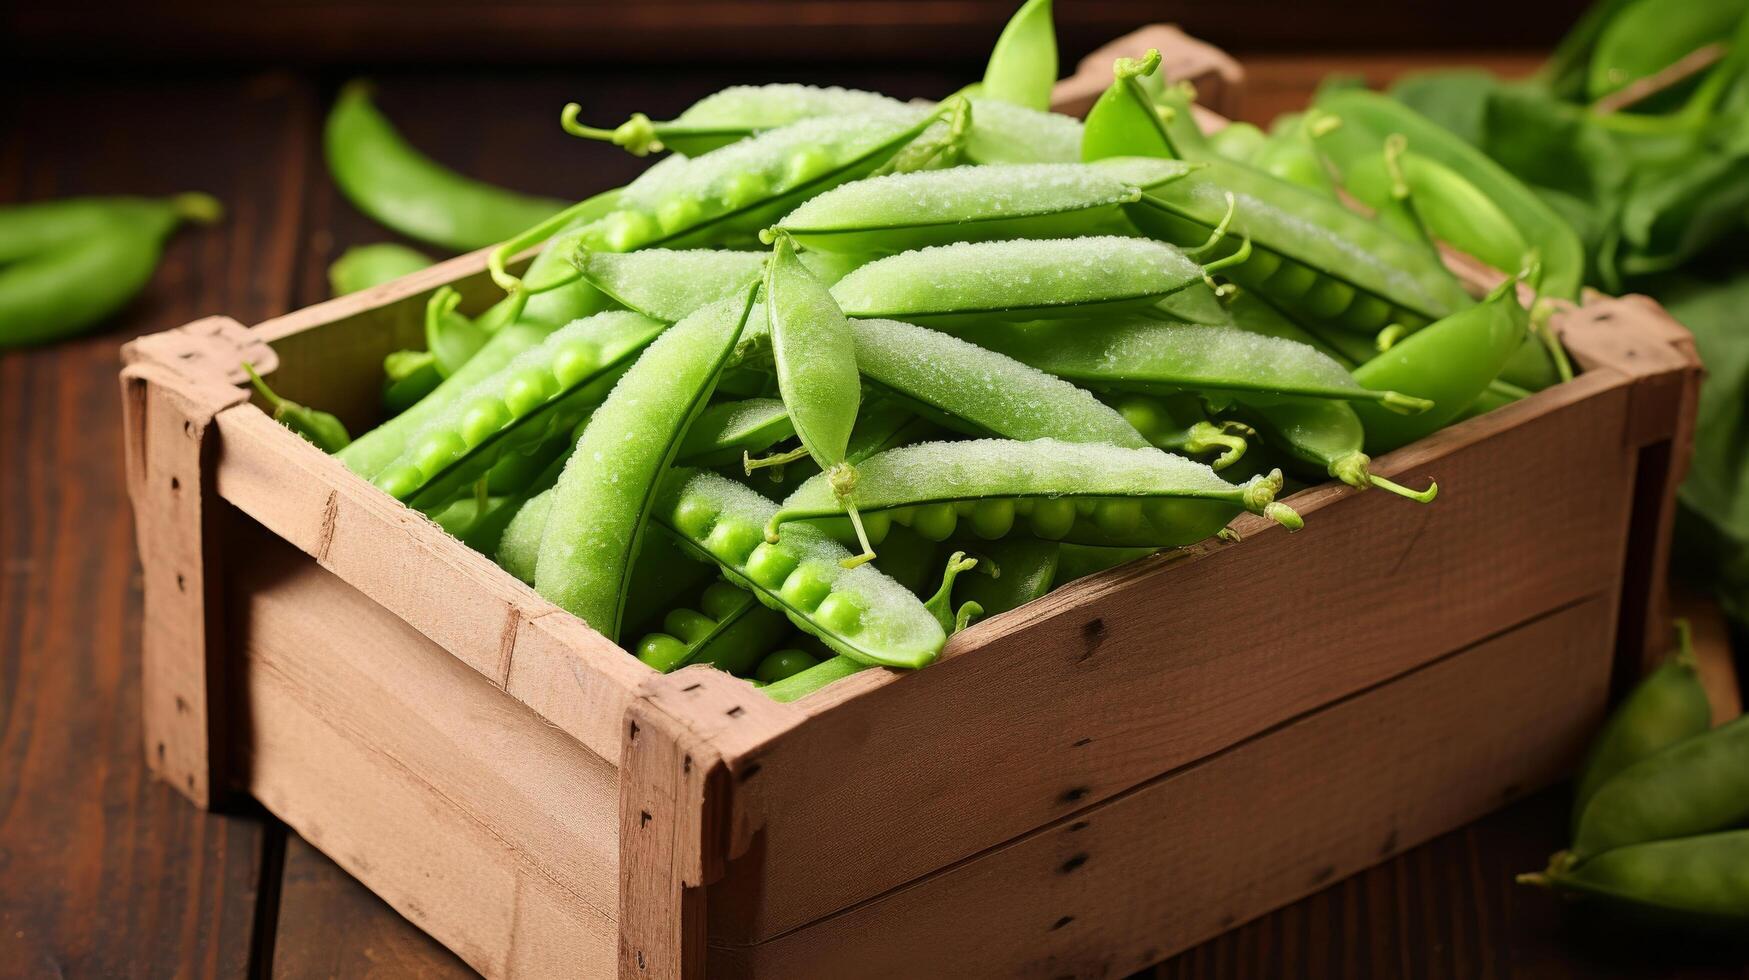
1660 807
840 374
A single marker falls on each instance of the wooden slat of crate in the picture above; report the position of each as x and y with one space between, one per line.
1116 887
465 810
1104 684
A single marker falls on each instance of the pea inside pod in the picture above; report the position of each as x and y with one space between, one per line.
1054 490
1017 280
857 612
980 203
729 630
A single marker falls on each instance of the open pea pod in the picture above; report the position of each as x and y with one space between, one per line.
978 391
1060 491
982 203
604 498
1017 280
1308 253
544 390
729 116
1368 119
857 612
1156 357
730 630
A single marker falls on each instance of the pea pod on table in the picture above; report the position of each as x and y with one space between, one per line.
1692 786
363 266
1690 880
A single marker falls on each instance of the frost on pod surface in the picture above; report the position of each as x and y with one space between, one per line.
778 104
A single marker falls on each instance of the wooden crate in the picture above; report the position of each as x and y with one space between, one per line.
1079 787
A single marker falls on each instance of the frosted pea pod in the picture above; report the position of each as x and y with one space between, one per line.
1006 133
729 116
725 432
1154 357
545 390
605 496
1054 490
981 203
667 284
1023 64
856 611
1017 280
1669 705
1124 120
978 391
1694 786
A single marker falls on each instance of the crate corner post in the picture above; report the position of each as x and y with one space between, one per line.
174 385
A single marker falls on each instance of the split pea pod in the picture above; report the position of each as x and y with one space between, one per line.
1017 280
545 390
1449 363
1693 786
1308 254
388 179
729 630
800 685
856 611
605 496
729 116
65 265
1702 879
1050 489
981 203
978 391
1154 357
1668 706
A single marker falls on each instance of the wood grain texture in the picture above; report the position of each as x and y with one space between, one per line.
103 870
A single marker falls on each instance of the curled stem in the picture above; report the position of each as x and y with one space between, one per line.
1395 144
940 605
636 135
843 480
501 255
1542 324
1355 470
1124 69
749 463
1220 231
969 610
1240 257
1204 437
1285 516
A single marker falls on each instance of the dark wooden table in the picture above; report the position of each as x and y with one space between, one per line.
105 873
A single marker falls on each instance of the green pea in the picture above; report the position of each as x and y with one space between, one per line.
1017 280
1667 707
770 566
935 522
890 626
1145 355
781 664
661 651
689 625
992 474
607 491
731 542
993 519
1052 519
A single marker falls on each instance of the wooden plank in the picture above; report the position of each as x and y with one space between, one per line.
1219 81
1114 887
1107 682
455 596
493 831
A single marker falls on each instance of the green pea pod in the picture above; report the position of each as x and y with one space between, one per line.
1075 561
1011 572
1178 424
544 391
814 352
1375 182
940 604
780 665
908 558
596 525
450 337
1290 155
1449 363
728 116
1327 435
1131 496
57 281
386 178
798 686
1369 118
1648 36
408 376
980 392
727 431
322 429
1565 72
363 266
1701 880
1023 65
667 284
730 631
1311 255
1155 357
1693 786
856 611
1006 133
892 214
1668 706
1124 121
1239 141
1017 280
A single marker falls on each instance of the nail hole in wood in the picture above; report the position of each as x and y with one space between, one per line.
1060 923
181 705
692 687
1073 794
1079 825
191 782
1073 863
160 751
1229 920
175 484
181 586
1389 847
644 818
1083 742
1323 874
737 711
188 428
634 731
749 772
1092 634
686 764
640 959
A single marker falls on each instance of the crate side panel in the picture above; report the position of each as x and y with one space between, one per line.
1124 884
1109 683
488 827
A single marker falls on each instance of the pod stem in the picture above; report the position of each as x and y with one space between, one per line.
1220 231
202 209
1355 469
842 477
940 605
1403 404
636 135
1685 645
1285 516
1419 496
500 256
969 610
1537 878
274 401
749 463
1395 144
1240 257
1124 69
1388 336
1542 324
